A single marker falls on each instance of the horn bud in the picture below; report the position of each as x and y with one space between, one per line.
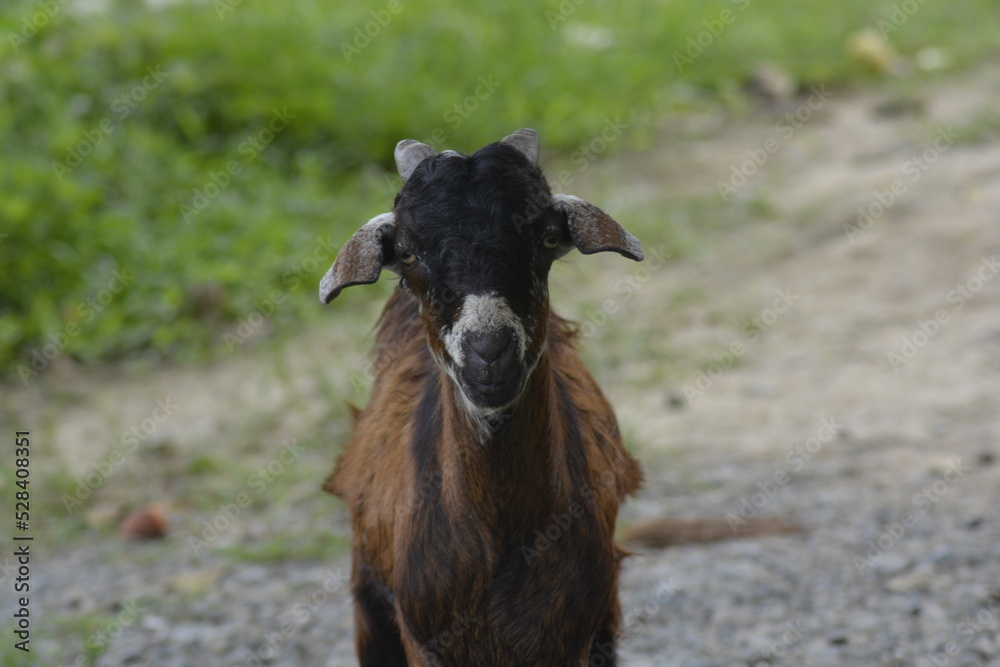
409 153
526 141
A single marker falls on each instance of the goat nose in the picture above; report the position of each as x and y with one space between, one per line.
489 348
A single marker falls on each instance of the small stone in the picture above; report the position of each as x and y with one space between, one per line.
675 399
772 82
933 59
195 582
943 555
970 657
892 564
918 579
973 523
760 389
187 633
155 623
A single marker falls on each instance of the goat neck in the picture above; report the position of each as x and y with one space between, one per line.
506 463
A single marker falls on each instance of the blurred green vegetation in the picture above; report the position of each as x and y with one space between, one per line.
215 154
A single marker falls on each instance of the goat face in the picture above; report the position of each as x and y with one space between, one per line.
474 243
473 239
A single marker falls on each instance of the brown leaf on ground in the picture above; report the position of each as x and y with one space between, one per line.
144 524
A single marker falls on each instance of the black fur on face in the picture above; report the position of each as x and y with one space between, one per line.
474 242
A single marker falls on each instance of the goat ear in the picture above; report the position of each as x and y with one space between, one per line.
361 259
593 230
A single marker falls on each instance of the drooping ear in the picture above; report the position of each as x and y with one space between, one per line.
592 230
361 259
526 141
409 153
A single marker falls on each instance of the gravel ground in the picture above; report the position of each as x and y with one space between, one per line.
892 472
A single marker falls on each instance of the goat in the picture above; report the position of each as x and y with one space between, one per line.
483 479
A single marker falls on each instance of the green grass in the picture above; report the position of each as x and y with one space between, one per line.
66 506
292 546
86 629
49 521
206 213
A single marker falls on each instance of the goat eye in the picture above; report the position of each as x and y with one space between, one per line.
407 257
550 242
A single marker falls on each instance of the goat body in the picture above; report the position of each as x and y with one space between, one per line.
481 536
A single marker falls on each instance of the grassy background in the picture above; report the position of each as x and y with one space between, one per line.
256 246
137 149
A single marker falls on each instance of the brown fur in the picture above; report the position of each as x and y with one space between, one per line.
450 540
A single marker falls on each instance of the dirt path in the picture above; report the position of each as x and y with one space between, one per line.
868 409
843 372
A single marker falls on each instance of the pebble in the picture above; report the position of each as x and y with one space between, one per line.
919 578
892 564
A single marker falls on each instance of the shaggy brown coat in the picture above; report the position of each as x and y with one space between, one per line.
474 549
